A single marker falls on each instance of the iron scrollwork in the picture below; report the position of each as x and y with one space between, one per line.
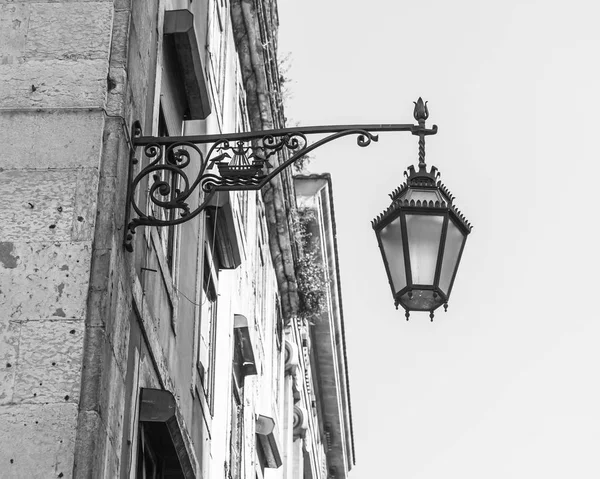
176 173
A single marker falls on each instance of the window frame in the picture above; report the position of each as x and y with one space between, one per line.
205 356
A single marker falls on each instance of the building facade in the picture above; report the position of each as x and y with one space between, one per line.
207 351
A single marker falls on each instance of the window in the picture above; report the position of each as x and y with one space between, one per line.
277 354
161 452
168 235
217 50
208 316
237 415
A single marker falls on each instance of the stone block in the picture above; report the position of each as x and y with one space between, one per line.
114 148
120 38
108 201
50 139
101 269
69 30
41 205
54 84
121 5
138 68
14 23
115 98
49 362
9 352
86 197
113 400
48 205
44 280
89 428
93 369
119 329
46 385
37 440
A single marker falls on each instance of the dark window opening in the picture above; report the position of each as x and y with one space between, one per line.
157 458
208 316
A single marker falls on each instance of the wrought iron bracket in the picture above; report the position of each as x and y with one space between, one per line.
160 193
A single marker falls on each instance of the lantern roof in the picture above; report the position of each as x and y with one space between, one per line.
422 189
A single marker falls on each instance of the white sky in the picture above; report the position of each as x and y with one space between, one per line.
506 384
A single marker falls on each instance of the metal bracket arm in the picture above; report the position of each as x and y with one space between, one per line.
160 193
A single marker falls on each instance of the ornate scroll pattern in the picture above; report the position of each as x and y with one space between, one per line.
244 162
177 180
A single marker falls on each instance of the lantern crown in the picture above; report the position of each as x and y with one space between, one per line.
422 189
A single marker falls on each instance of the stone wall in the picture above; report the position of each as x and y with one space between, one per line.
53 67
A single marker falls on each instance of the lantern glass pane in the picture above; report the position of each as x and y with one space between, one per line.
391 241
423 195
454 241
424 233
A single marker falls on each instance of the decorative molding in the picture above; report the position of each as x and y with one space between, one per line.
291 357
299 422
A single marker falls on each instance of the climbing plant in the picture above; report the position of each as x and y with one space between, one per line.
310 271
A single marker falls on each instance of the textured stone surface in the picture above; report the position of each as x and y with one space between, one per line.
49 281
89 428
115 98
86 197
118 49
55 205
50 139
53 84
14 23
41 205
49 362
115 150
54 58
113 400
54 54
109 199
119 329
9 351
37 440
69 31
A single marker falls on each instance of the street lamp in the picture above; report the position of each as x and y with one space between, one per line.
421 235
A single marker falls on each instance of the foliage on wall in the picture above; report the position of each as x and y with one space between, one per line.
310 271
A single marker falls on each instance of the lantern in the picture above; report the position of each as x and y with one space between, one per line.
421 236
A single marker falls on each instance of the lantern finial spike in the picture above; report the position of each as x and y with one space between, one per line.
407 314
445 307
421 113
431 315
